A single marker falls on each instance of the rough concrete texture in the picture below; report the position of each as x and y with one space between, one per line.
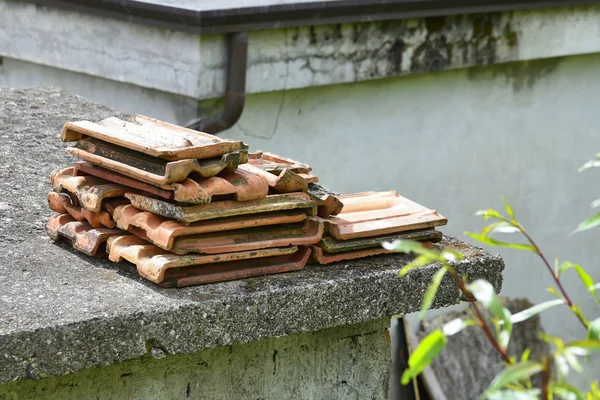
193 66
63 312
349 362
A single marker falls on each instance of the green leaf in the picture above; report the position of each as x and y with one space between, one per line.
567 392
562 366
432 291
418 262
489 214
503 339
583 347
594 330
485 294
531 394
451 255
589 223
499 227
508 208
525 355
493 242
571 358
514 373
456 325
534 310
577 310
554 292
590 164
424 354
583 275
411 246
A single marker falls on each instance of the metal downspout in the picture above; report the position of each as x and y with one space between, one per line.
235 90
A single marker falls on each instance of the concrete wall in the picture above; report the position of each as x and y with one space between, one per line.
350 363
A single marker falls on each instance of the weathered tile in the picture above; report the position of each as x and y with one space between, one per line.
153 170
240 185
332 245
90 190
379 213
222 209
172 270
163 232
285 181
82 168
328 202
307 232
153 137
81 235
62 204
321 257
275 164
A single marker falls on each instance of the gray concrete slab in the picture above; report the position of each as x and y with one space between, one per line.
63 312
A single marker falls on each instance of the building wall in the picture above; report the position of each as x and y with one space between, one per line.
456 141
348 362
452 140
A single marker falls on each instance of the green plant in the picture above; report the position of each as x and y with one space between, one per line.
514 381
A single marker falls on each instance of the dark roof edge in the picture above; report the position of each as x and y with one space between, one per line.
293 15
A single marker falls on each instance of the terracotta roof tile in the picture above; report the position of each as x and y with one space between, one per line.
82 168
153 137
62 204
328 202
81 235
240 185
172 270
307 232
321 257
332 245
149 169
222 209
379 213
164 232
273 163
90 191
285 181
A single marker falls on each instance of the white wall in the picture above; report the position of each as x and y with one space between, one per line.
455 141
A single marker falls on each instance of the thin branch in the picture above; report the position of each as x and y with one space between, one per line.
482 323
555 275
545 373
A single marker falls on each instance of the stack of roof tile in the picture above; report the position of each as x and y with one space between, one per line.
190 208
370 218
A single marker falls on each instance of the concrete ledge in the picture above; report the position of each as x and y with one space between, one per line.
63 312
191 65
347 362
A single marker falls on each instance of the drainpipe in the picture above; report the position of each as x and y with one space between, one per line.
235 91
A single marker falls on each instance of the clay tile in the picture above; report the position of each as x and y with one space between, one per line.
81 235
222 209
379 213
62 203
155 171
273 163
152 137
172 270
90 190
163 232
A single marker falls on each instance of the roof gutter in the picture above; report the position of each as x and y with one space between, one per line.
226 20
235 87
